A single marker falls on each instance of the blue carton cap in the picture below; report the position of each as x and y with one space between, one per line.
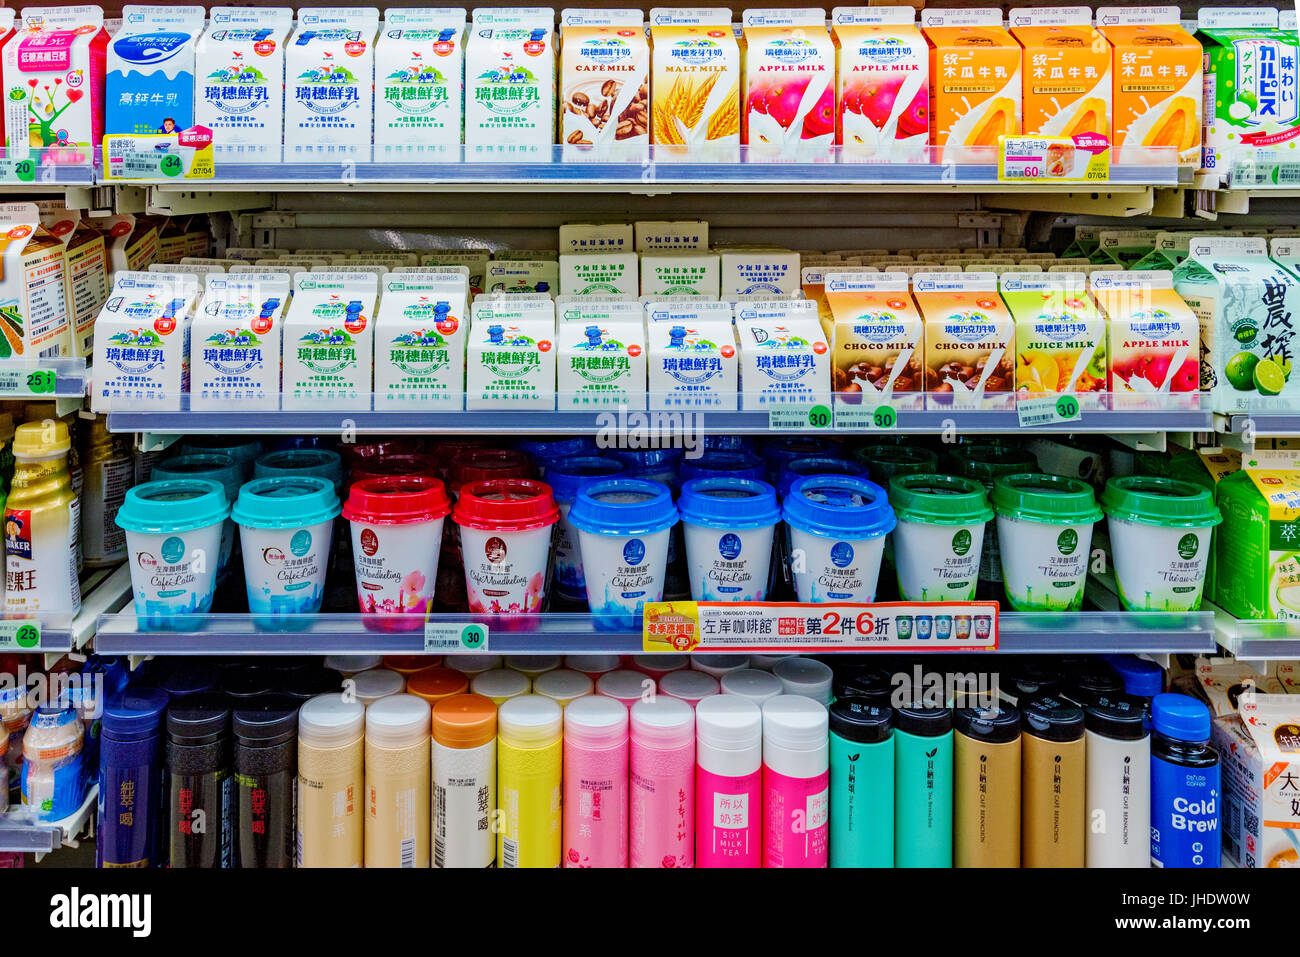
548 450
724 463
622 506
839 506
815 465
1180 717
1142 678
567 476
286 502
728 503
174 505
134 713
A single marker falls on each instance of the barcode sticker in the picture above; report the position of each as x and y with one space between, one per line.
408 852
509 852
453 636
1047 410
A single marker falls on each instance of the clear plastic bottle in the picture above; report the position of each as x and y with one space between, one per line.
53 785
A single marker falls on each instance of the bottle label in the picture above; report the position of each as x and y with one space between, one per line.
1185 804
796 815
727 816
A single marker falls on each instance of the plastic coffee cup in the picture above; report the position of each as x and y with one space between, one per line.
816 465
722 463
546 452
400 463
1159 540
482 465
566 476
323 463
396 539
215 467
939 535
1045 530
505 541
837 528
887 462
173 540
728 525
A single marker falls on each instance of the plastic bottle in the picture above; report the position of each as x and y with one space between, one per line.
1053 782
688 685
331 777
563 685
370 686
1186 791
42 520
986 787
464 757
397 782
108 471
529 761
661 801
807 677
923 756
861 784
595 782
758 686
130 779
266 771
1119 783
728 782
796 783
44 414
200 798
53 779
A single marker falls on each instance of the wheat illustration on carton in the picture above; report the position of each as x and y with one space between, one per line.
695 93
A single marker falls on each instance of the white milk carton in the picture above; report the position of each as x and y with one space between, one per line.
596 238
149 84
142 342
240 89
420 339
523 276
329 73
671 236
785 359
235 341
85 269
599 274
1260 748
511 356
692 362
419 81
475 260
760 273
329 340
602 362
680 274
510 79
33 293
201 272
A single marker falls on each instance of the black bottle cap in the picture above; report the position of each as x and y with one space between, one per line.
189 678
266 721
248 681
198 718
1033 680
872 685
310 682
997 725
1053 719
860 720
1096 681
926 722
1117 716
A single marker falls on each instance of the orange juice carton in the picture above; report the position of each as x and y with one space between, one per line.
240 91
789 107
882 84
419 82
1066 71
1260 749
970 339
511 357
671 236
1060 334
692 360
85 269
33 293
1155 339
329 74
510 79
695 85
599 274
876 339
605 81
784 355
975 88
1156 87
602 360
760 273
597 238
680 274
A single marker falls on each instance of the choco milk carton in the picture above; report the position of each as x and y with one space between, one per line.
510 79
329 340
602 361
970 340
784 357
33 298
693 360
149 84
142 342
235 341
240 86
329 73
419 81
420 339
511 356
876 339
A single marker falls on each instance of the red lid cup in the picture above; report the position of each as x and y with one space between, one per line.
395 445
397 500
446 451
402 463
505 505
478 465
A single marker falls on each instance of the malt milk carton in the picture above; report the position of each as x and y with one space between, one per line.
605 82
599 274
510 79
692 355
420 81
54 81
784 356
235 341
240 90
511 357
149 84
420 339
329 72
85 269
789 107
882 83
970 339
33 293
1066 71
876 339
142 342
602 360
695 85
329 340
1060 335
1155 338
1260 750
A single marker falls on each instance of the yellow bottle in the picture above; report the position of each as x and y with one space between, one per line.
529 756
42 524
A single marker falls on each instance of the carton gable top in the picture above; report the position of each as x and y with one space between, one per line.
601 18
873 16
689 17
139 18
362 282
1274 723
809 17
1019 17
860 281
1236 18
534 17
1138 16
62 18
1107 279
336 18
944 282
271 18
424 18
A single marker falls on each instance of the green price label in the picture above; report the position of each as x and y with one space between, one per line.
41 381
798 418
171 165
28 635
25 170
884 417
1067 407
819 417
473 637
453 636
1047 410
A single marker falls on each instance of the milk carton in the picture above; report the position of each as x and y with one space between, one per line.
85 270
419 81
695 85
510 79
132 242
1067 71
329 340
882 84
602 360
475 260
329 72
420 339
1154 336
876 339
240 92
789 108
1260 749
605 82
784 356
523 276
970 340
596 237
235 342
671 236
33 295
772 272
142 342
149 85
511 357
1060 335
693 363
599 274
680 274
6 25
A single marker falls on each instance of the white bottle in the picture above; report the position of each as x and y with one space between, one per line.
796 782
728 782
1118 789
806 677
464 781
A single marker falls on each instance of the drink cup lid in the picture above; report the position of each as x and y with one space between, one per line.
381 449
1181 717
464 721
805 676
563 685
246 680
884 462
397 721
397 500
134 713
757 686
1050 499
530 721
622 506
663 722
795 723
410 664
323 463
189 678
998 725
243 450
839 507
331 721
1152 500
722 463
729 722
214 466
595 722
506 505
1117 716
939 499
858 719
729 503
548 450
640 461
351 664
481 465
985 462
436 684
400 463
719 665
175 505
568 475
796 469
625 686
689 685
286 502
777 452
1053 719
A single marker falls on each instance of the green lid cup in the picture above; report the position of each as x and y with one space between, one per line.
939 536
885 462
1044 527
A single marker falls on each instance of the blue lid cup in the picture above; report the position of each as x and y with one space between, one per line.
216 467
838 525
322 463
566 476
796 469
728 525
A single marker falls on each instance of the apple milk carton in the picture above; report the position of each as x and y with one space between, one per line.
149 85
784 356
970 339
876 339
602 361
142 342
605 82
511 356
240 86
235 341
420 339
419 81
693 361
882 83
54 81
1060 335
695 85
789 107
510 79
85 270
1066 71
329 72
33 294
1155 339
329 340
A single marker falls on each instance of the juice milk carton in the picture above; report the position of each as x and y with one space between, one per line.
240 95
329 339
85 270
54 81
693 363
876 339
510 79
1066 71
142 341
1247 306
235 341
599 274
420 339
602 361
789 107
511 357
33 294
149 85
695 85
882 83
784 356
680 274
975 91
605 82
970 339
329 72
1060 334
1252 87
1258 542
1156 90
1154 338
1260 751
769 272
420 81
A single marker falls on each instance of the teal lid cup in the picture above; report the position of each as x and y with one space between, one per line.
216 467
322 463
728 525
242 449
1044 527
939 536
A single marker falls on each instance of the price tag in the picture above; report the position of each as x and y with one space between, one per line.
799 418
184 155
17 170
27 381
20 633
1047 410
856 418
450 636
1054 159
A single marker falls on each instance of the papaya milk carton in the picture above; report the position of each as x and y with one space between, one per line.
329 73
1066 71
85 269
240 88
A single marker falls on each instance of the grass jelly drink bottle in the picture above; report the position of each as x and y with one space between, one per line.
42 520
200 798
728 525
266 770
861 784
130 779
939 536
837 529
1044 527
1186 791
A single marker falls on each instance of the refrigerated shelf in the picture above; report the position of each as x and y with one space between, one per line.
1273 640
19 833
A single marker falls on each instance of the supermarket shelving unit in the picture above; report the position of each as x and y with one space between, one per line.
19 832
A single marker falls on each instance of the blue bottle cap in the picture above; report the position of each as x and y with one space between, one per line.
323 463
566 476
722 463
134 714
176 505
735 443
622 506
728 503
839 506
545 451
815 465
213 466
638 462
286 502
1142 678
1180 717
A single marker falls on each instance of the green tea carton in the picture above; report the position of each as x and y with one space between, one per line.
1260 541
1248 307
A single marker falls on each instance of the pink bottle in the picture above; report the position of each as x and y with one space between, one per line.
690 686
662 802
595 782
628 687
796 782
728 778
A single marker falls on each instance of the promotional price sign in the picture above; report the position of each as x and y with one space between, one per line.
186 154
1054 159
